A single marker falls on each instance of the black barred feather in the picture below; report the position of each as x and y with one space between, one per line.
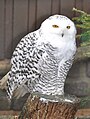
41 64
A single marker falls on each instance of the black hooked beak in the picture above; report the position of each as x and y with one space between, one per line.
62 34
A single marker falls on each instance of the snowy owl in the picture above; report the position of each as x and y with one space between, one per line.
42 59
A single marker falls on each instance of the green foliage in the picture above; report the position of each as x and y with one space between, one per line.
83 23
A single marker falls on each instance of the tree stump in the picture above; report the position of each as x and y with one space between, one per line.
40 106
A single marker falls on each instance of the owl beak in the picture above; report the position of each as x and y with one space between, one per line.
62 34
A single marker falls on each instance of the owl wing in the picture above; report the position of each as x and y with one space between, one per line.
24 62
63 69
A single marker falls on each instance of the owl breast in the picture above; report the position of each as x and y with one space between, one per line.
48 68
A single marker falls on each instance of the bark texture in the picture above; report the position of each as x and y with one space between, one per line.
64 107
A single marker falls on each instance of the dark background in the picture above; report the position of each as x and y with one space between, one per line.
18 17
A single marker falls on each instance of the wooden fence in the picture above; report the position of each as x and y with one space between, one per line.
18 17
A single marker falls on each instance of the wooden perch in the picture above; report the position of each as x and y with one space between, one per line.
55 107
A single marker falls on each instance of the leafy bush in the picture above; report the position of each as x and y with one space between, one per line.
83 22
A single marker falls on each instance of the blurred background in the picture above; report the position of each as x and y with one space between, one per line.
19 17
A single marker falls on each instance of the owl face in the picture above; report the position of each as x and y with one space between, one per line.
59 25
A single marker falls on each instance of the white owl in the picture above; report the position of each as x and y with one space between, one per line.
42 59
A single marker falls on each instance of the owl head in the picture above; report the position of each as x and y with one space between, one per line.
59 25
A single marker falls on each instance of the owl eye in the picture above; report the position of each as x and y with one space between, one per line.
68 27
55 26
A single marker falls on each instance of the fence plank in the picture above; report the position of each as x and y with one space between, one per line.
86 5
32 15
21 16
79 5
20 20
43 11
2 18
8 28
66 7
55 6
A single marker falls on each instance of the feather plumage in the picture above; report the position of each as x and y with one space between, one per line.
43 58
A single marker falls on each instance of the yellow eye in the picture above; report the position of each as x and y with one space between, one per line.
68 27
55 26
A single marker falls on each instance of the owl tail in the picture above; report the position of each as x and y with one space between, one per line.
4 86
20 91
9 90
15 91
